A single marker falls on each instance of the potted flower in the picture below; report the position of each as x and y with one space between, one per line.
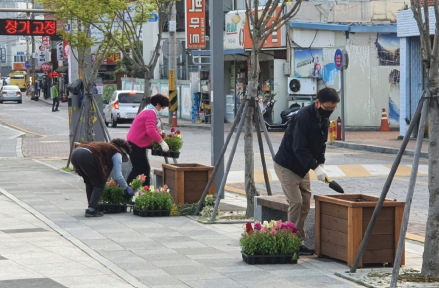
113 198
152 202
274 242
174 142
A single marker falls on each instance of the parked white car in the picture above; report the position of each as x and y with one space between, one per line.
122 107
11 93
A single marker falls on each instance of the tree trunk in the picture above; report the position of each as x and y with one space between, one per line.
430 259
146 92
90 117
250 188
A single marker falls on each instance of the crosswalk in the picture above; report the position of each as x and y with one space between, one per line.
336 171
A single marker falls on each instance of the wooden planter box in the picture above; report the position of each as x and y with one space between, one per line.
187 181
342 220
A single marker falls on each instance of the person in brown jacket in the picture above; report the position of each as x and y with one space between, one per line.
94 162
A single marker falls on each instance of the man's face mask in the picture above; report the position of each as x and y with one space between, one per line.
325 110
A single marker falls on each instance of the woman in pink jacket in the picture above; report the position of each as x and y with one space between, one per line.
146 129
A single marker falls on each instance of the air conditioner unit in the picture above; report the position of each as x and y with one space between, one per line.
302 86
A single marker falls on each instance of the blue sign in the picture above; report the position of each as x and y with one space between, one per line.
27 64
338 59
153 17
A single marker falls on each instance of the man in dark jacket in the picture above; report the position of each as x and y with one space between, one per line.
302 149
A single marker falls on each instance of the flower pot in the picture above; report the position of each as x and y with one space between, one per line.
111 208
152 213
175 154
268 259
341 221
155 152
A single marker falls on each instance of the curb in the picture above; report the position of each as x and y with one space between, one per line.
373 148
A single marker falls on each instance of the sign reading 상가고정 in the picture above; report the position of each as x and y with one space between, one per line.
27 27
195 24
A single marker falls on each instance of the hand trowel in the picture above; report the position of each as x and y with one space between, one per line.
334 185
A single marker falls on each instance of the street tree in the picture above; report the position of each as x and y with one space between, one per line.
430 56
83 15
262 22
128 33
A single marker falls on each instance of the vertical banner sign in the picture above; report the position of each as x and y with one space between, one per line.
3 53
59 51
195 24
338 59
45 42
42 56
173 104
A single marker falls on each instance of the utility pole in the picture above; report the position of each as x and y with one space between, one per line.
27 48
33 49
172 64
216 17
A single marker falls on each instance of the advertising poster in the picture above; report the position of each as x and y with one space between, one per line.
308 63
394 97
388 49
186 101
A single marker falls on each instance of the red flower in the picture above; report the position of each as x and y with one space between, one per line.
248 228
177 132
258 226
172 130
170 135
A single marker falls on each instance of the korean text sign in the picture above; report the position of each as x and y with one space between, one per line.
195 24
27 27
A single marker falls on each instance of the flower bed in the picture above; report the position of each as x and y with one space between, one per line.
270 243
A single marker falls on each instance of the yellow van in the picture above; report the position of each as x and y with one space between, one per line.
18 78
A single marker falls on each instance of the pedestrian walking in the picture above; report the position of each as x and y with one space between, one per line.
146 129
95 89
38 88
302 149
55 98
94 162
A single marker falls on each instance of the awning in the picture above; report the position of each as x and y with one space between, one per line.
62 69
229 55
226 52
341 27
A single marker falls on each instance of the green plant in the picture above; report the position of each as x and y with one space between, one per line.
274 238
149 198
113 194
173 140
137 183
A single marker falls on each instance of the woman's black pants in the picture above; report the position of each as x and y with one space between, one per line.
140 164
86 166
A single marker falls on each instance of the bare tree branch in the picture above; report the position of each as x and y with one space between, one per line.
427 30
286 18
248 15
266 17
436 37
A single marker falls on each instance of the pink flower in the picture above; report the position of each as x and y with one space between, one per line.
165 187
172 130
141 193
142 177
177 132
258 226
248 228
146 188
157 190
263 230
273 231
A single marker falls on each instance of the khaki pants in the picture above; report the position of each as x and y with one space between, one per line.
298 192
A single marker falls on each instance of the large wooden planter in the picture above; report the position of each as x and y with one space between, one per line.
187 181
342 220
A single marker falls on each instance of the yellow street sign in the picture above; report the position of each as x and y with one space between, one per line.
171 79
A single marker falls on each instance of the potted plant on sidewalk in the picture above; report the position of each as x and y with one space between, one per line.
274 242
113 198
153 202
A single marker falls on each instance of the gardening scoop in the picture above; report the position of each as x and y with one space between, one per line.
334 185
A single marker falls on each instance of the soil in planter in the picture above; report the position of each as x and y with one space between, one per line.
268 259
152 213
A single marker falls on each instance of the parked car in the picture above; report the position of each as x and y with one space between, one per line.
11 93
122 107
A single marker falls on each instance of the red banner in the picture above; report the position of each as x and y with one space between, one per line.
273 41
195 24
111 59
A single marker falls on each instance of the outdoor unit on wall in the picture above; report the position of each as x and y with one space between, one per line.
302 86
